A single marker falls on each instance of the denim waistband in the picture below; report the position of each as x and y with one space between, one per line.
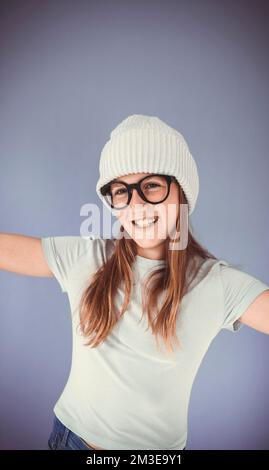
63 438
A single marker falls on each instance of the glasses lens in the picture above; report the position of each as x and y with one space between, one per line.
117 196
154 188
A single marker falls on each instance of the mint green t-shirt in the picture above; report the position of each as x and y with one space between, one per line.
126 393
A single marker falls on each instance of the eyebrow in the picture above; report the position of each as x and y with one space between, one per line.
121 179
118 180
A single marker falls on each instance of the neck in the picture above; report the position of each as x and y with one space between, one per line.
156 252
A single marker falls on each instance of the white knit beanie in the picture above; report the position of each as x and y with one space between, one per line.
146 144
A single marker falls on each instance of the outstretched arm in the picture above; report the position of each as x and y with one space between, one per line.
257 314
23 255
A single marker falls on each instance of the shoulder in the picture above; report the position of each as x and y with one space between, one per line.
101 248
70 255
69 250
203 270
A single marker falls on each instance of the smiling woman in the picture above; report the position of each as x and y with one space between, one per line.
145 309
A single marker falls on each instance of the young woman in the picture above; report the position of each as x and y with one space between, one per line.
145 304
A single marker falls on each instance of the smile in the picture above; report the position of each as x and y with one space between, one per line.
142 223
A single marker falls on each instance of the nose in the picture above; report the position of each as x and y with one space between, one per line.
136 198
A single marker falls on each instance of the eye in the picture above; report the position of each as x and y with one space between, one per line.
152 185
118 191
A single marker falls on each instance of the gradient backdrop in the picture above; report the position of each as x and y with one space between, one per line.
70 72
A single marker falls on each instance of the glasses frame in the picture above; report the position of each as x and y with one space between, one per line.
130 187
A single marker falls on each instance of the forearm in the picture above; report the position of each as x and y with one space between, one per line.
22 254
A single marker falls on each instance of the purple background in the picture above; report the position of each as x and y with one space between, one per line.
70 72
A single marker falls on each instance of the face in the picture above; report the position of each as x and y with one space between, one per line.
150 239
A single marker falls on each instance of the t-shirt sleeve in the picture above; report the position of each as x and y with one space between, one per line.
240 289
62 253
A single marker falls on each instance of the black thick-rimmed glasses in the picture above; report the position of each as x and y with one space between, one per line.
152 188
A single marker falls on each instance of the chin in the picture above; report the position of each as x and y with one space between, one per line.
147 243
150 241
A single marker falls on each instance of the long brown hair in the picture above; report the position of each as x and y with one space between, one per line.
97 310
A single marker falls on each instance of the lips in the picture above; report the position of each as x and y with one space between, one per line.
145 222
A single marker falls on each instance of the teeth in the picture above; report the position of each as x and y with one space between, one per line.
145 222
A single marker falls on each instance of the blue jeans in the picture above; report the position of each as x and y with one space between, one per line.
62 438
